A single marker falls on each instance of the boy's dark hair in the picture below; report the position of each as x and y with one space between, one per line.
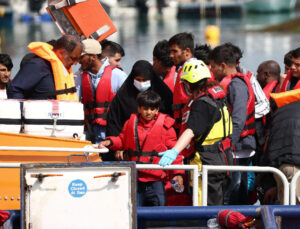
202 53
6 61
238 54
296 53
288 58
161 52
183 40
226 53
197 85
110 48
148 98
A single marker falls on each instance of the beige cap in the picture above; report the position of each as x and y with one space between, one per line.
91 46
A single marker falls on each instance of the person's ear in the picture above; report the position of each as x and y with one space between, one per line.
223 68
187 52
266 76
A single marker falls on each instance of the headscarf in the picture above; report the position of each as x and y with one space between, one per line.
124 103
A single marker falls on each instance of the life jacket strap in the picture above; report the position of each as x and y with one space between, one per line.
177 106
135 153
56 92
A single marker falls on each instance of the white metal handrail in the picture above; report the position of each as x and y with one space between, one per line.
293 186
178 167
206 168
148 166
86 149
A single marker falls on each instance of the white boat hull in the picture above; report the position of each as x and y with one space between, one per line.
270 5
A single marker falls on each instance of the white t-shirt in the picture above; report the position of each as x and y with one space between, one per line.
3 94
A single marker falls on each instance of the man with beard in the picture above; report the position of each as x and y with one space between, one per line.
181 51
5 71
97 84
48 74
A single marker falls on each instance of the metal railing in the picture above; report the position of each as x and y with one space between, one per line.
289 189
178 167
293 187
207 168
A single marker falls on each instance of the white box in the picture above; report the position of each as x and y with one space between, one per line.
78 196
10 116
53 118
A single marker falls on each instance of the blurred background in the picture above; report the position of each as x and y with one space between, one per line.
263 29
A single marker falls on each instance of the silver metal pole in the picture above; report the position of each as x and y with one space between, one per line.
204 185
178 167
206 168
293 187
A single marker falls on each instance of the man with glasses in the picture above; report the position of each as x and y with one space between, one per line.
48 75
5 71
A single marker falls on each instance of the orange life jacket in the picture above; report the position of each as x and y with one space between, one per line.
63 78
97 107
286 97
249 127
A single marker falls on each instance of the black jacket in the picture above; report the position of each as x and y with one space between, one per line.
124 102
284 141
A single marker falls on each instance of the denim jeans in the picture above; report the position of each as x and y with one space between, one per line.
151 193
99 132
237 192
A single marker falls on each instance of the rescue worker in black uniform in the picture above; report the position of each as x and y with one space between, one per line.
207 122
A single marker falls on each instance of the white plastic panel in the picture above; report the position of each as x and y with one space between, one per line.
39 118
71 197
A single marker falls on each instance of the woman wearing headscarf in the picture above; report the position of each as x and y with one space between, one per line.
141 78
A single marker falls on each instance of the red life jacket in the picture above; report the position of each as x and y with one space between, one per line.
152 144
286 83
215 92
271 88
96 107
180 98
170 78
212 76
249 74
249 127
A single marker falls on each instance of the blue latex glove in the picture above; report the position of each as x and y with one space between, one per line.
168 157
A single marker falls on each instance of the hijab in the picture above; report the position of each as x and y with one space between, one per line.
124 103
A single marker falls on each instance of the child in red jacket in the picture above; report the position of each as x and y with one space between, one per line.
143 136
